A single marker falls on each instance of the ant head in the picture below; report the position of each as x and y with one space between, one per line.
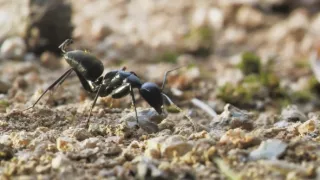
153 95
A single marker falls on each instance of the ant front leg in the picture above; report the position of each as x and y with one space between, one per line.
134 103
124 90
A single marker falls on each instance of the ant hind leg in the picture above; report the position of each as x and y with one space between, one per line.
93 104
58 81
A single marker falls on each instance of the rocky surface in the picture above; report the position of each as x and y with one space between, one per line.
248 95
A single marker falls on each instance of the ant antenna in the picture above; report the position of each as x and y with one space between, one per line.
66 43
165 76
180 110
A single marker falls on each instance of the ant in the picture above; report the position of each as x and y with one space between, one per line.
117 83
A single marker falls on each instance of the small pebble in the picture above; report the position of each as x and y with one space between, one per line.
21 139
90 143
238 137
5 139
64 144
80 134
6 152
270 149
308 127
232 117
13 48
50 60
60 161
4 87
175 145
292 113
148 120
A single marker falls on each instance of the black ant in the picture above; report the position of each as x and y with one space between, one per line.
117 83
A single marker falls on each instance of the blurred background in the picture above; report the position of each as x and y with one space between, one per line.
251 53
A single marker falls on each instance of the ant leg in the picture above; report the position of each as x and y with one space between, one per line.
62 78
88 87
122 91
134 103
93 104
59 84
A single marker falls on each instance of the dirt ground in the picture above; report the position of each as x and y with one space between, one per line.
248 91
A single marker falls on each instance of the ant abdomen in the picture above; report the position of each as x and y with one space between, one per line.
85 63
